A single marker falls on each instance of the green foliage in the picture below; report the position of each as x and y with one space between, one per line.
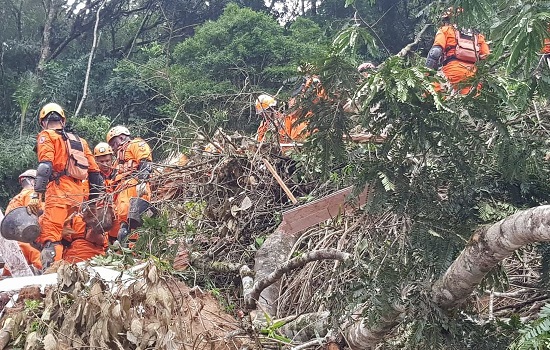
17 156
157 239
536 335
352 37
521 33
92 128
24 96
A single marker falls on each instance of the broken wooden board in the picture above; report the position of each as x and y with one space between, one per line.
317 211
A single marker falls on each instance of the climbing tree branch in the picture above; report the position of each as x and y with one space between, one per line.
404 51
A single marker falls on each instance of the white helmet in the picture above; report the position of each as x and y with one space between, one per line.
263 102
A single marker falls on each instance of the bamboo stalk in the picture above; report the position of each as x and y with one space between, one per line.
279 180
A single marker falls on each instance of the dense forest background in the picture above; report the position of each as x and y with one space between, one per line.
199 64
450 165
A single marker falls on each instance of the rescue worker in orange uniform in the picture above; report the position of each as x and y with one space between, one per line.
105 157
64 162
26 180
545 51
459 64
82 247
274 121
133 169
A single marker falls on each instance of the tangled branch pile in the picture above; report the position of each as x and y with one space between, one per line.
224 199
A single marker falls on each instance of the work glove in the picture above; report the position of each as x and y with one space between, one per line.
34 205
141 189
123 234
47 255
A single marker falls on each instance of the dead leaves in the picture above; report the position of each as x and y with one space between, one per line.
153 311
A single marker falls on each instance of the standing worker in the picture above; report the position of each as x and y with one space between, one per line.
65 160
457 51
134 166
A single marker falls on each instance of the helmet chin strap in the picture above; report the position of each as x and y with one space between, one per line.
53 117
46 124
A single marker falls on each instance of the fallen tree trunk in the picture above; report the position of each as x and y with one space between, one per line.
487 247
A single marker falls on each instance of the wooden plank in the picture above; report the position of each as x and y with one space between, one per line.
279 180
317 211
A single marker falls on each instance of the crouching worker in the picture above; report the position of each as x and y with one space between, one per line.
31 254
86 233
65 161
105 157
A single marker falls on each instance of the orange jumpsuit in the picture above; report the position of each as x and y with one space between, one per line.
128 158
455 70
286 125
64 195
31 254
81 249
20 200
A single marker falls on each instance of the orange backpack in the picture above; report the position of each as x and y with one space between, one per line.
77 163
467 47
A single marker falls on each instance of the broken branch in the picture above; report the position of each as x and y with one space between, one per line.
259 286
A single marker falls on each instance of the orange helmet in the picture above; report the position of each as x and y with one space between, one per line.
264 102
116 131
51 108
28 173
102 149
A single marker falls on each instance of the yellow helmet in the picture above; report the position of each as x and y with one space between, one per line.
28 173
51 108
263 102
116 131
102 149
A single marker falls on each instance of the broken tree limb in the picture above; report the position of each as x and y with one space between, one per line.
487 247
404 51
247 279
325 254
198 260
5 332
307 326
361 336
279 180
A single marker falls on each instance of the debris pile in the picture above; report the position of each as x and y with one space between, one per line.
228 194
153 310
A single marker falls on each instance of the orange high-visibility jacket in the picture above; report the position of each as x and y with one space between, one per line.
128 159
286 126
20 200
455 70
63 195
80 248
